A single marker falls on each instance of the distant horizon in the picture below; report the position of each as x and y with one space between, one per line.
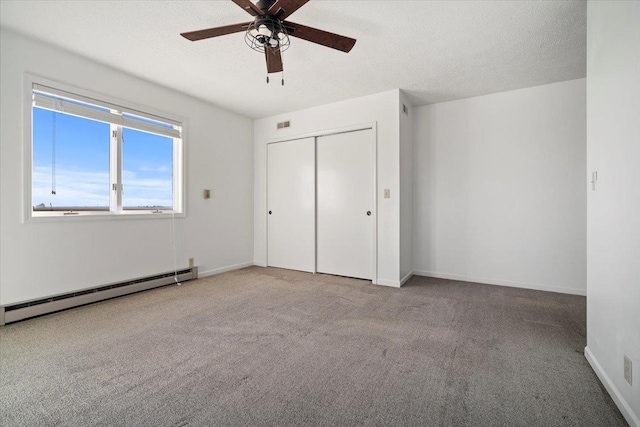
43 207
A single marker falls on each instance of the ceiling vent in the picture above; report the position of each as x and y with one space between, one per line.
283 125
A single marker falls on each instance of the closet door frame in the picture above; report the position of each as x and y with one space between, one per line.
374 178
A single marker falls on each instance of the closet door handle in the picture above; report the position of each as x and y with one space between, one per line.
368 213
269 212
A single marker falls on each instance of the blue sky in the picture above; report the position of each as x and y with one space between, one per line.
82 164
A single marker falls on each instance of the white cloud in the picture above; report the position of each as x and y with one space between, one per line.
158 169
73 188
91 189
147 192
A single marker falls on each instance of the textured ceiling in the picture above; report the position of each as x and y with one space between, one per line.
434 50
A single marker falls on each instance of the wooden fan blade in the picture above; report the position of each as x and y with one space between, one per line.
274 60
249 6
321 37
215 32
281 9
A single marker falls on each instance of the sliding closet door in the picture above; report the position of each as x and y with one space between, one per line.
345 217
291 204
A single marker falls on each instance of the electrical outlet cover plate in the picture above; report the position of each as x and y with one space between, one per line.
627 370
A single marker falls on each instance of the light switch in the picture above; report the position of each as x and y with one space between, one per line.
207 194
387 193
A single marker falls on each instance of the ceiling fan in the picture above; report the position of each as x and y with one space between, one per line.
269 32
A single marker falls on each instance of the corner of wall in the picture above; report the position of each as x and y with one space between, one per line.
406 232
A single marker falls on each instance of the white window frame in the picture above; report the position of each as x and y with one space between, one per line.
116 209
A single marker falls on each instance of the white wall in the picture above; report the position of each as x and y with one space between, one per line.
406 190
39 259
499 188
613 140
380 108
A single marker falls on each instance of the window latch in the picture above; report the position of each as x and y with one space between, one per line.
70 213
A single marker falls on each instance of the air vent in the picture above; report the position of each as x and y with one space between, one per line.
405 109
283 125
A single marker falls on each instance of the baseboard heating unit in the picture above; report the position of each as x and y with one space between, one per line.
24 310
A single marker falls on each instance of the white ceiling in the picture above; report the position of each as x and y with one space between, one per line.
434 50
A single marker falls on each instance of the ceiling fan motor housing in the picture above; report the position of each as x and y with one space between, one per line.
265 5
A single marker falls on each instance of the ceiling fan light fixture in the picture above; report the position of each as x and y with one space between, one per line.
262 29
265 33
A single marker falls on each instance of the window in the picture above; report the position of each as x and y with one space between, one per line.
91 157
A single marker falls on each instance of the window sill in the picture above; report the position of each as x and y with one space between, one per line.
55 216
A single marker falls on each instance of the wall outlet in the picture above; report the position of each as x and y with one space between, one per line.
191 262
387 193
627 369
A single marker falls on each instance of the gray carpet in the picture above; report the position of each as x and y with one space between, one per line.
270 347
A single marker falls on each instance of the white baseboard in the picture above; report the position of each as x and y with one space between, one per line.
260 263
405 278
391 283
622 404
524 285
224 269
